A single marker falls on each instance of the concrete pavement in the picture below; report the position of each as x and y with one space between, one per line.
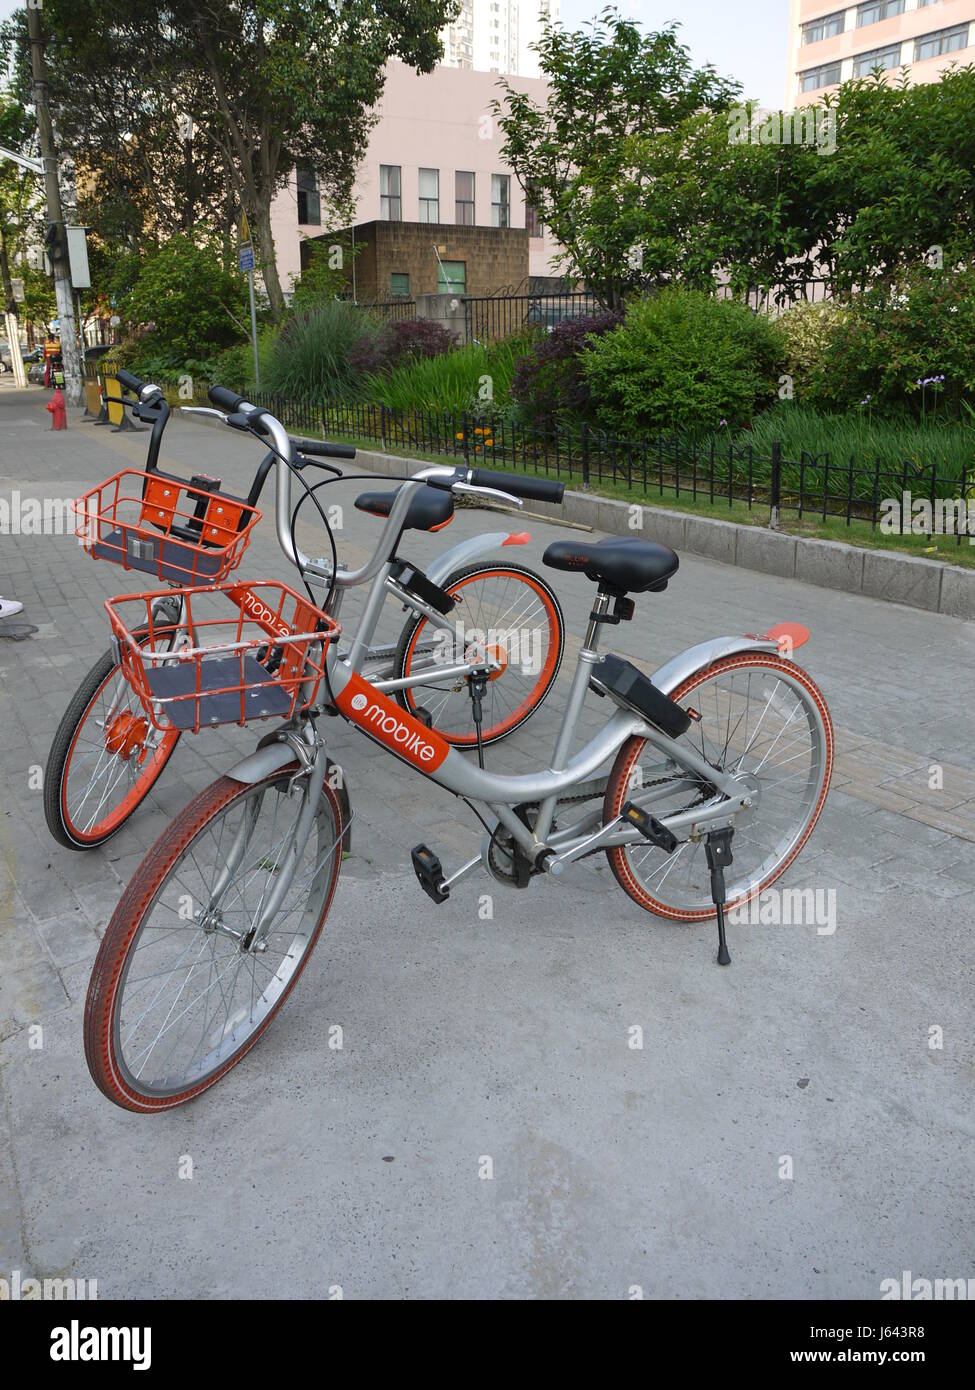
786 1130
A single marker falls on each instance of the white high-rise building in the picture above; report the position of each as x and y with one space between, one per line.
496 35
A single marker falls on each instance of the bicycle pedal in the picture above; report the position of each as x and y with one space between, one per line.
650 828
421 713
429 873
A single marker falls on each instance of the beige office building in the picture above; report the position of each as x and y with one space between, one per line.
830 43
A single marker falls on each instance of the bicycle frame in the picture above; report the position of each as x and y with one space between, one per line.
495 796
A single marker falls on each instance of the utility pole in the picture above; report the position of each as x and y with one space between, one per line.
56 241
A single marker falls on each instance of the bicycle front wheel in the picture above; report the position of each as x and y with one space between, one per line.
179 993
761 718
504 612
105 758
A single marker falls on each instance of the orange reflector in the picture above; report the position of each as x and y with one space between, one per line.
790 636
518 538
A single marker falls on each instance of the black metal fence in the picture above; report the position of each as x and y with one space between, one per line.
819 487
398 307
489 318
815 486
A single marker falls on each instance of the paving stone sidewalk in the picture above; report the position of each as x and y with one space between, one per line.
613 1166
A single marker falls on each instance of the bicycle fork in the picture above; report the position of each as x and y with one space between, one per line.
313 767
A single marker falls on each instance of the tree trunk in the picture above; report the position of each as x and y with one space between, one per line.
264 255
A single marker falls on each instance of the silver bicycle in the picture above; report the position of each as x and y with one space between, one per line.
720 766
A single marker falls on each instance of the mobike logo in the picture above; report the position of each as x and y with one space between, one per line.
391 725
259 611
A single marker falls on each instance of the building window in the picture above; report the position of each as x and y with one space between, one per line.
429 195
533 223
500 200
399 283
826 27
947 41
390 193
464 198
877 10
451 277
814 78
309 206
886 58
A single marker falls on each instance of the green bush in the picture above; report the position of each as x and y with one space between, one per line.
474 378
683 362
549 382
235 366
313 353
890 340
809 331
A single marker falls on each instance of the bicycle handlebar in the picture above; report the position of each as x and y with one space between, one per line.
285 448
321 449
532 489
130 382
226 399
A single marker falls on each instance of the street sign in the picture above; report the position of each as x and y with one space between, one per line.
245 259
78 258
17 289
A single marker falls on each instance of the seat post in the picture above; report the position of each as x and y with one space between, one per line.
595 618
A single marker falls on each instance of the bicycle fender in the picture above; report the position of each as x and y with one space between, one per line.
466 551
273 756
676 671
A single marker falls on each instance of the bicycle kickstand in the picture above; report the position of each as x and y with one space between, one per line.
478 685
718 850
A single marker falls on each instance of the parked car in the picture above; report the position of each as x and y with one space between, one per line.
35 355
35 373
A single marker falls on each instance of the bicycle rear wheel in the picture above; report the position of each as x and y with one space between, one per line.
515 618
176 996
761 718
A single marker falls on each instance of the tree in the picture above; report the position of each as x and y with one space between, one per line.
588 159
269 85
17 193
192 305
899 191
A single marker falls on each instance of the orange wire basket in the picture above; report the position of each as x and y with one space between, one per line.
176 531
242 651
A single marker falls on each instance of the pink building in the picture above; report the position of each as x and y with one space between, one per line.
830 43
433 157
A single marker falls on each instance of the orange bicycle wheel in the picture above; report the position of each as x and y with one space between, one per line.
515 618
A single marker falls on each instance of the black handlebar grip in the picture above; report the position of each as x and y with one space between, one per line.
319 448
520 485
130 382
225 399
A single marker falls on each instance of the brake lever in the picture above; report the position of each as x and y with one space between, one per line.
488 492
301 461
203 410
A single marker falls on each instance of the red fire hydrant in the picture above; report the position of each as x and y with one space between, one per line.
58 409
